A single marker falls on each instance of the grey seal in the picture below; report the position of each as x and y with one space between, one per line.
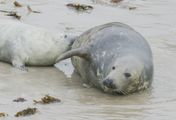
113 57
22 44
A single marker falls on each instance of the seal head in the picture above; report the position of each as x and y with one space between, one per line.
125 76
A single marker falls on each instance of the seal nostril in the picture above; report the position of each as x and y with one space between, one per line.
109 83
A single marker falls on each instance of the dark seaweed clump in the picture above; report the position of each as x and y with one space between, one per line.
79 7
2 114
20 99
28 111
47 99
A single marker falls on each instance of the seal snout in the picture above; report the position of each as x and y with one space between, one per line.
109 83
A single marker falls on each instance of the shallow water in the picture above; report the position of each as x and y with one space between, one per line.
155 20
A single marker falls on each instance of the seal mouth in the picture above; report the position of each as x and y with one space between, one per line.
119 93
109 84
114 91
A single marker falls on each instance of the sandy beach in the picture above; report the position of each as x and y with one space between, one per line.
155 20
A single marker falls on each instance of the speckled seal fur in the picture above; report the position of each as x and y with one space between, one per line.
113 57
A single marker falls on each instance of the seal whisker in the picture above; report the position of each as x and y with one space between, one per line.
124 92
120 92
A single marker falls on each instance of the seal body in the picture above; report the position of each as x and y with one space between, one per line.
113 57
22 44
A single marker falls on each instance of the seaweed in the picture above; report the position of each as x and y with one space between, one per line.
25 112
2 114
33 11
132 8
11 13
14 14
20 99
17 4
116 1
47 100
79 7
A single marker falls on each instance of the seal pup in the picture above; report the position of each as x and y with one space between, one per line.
22 44
113 57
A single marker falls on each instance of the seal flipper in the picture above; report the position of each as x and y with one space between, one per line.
80 52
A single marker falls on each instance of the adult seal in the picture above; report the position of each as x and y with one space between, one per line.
113 57
23 44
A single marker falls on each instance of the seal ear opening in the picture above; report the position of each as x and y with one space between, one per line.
80 52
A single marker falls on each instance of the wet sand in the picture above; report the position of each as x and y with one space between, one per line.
155 20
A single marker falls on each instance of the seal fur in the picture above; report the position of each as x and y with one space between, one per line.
113 57
22 44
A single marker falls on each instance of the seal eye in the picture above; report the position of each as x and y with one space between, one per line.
113 68
65 36
127 75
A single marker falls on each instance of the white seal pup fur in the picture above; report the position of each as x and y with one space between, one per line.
22 44
113 57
